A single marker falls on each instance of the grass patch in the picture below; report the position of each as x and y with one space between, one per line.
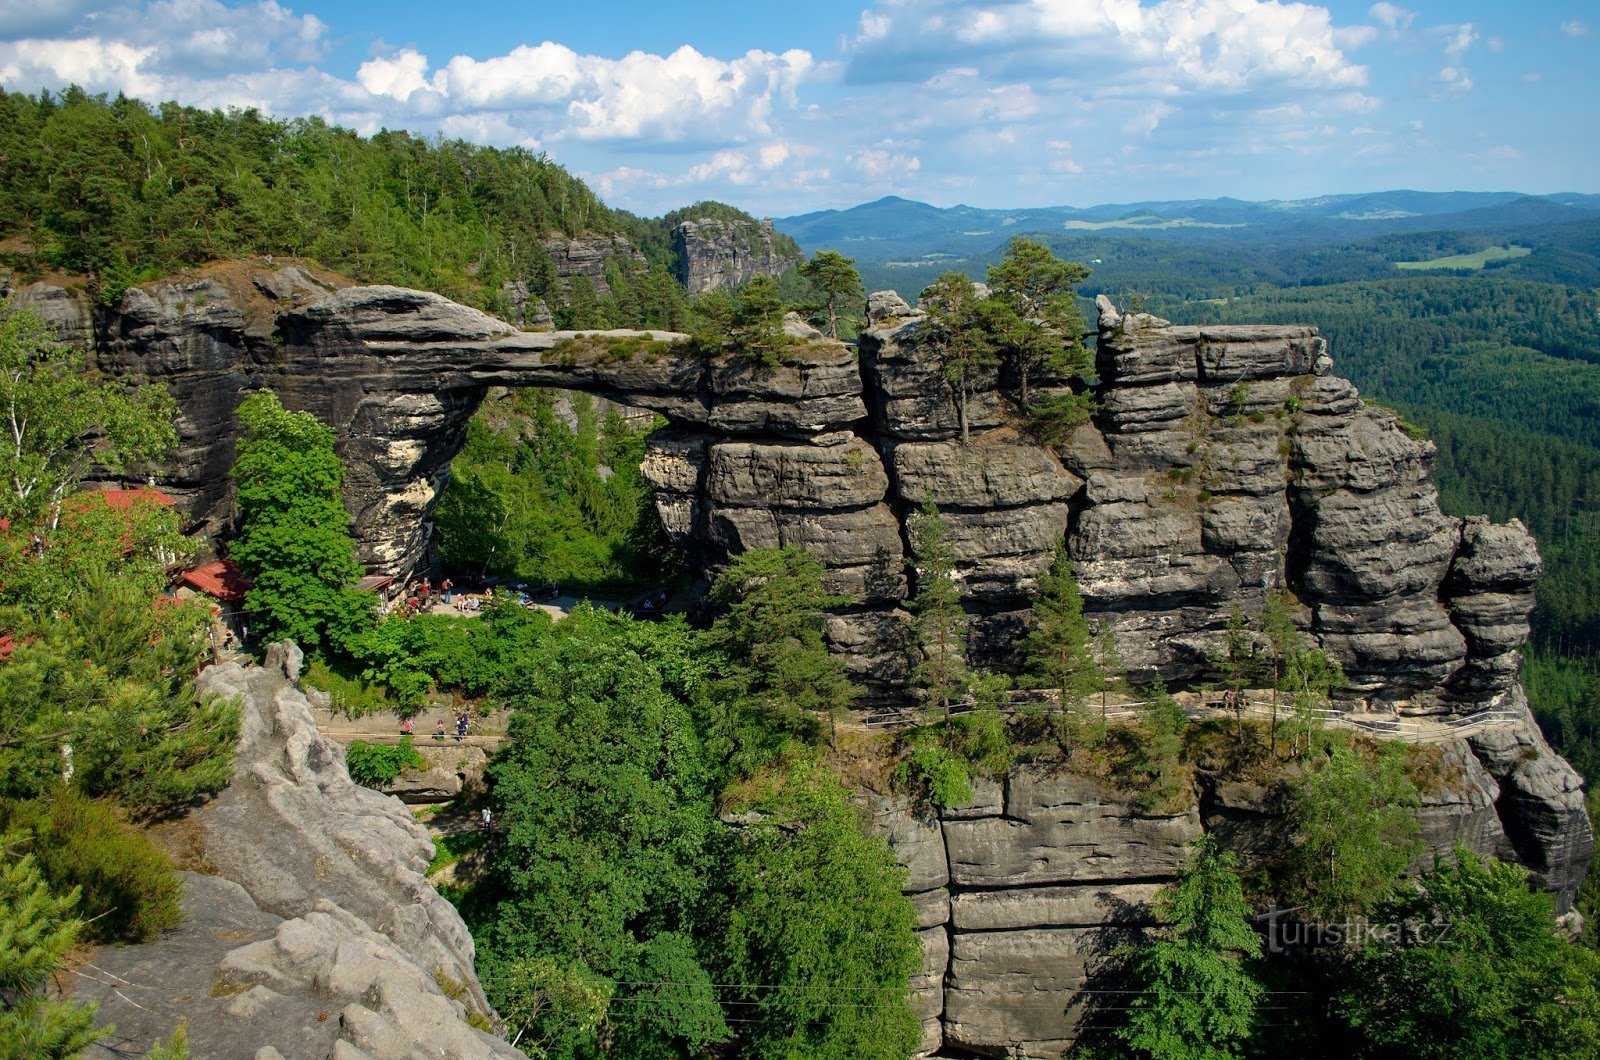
1474 261
449 849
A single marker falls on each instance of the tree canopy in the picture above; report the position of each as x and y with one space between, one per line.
294 540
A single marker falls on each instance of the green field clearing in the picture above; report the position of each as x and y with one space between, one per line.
1468 261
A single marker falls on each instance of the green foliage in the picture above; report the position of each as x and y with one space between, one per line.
779 678
1159 774
294 540
406 658
1354 831
63 419
1042 329
958 334
37 928
533 499
934 772
757 332
1475 971
1053 417
127 890
1059 651
1198 993
124 193
377 765
939 676
550 1008
604 791
836 279
816 932
102 664
174 1048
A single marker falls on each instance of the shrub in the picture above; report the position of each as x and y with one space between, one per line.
377 765
128 892
935 772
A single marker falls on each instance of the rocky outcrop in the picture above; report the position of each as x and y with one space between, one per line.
588 256
715 253
1023 893
315 932
1224 464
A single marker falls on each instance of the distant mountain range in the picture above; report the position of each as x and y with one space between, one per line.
893 227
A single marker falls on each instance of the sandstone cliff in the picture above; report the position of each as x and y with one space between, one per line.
1224 463
312 931
717 253
1023 893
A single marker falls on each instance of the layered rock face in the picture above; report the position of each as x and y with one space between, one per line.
715 253
1224 463
1023 893
314 932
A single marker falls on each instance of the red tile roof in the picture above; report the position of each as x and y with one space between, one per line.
122 500
221 579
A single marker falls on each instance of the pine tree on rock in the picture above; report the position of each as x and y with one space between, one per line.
835 276
1060 651
940 676
1197 993
36 931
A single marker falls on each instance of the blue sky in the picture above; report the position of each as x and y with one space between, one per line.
785 108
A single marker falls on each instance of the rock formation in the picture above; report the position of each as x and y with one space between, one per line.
1224 463
313 931
715 253
1022 893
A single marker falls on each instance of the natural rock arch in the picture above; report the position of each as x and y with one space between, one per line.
1224 463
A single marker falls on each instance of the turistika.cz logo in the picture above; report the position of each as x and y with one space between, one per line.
1284 931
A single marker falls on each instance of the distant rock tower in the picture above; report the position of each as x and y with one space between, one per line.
714 253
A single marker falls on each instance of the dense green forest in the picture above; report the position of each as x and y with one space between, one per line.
121 192
535 498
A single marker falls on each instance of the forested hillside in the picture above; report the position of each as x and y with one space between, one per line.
120 191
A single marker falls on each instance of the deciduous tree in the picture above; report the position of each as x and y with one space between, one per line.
294 540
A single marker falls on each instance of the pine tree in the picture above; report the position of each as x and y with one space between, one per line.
36 931
1060 650
957 336
1198 995
940 676
835 276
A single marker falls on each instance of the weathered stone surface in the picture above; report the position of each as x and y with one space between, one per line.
714 253
1006 987
1065 829
1198 494
820 478
297 831
588 256
911 398
319 909
1541 802
1080 906
996 470
874 645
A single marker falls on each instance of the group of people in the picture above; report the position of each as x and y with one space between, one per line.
463 723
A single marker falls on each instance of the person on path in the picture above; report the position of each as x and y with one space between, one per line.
461 726
405 727
444 587
438 734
